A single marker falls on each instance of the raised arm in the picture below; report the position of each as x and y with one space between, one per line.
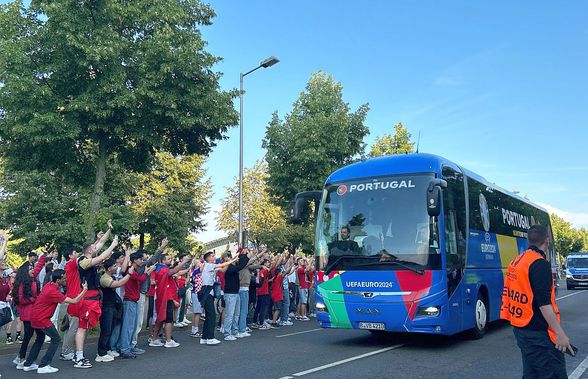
125 263
4 243
179 266
39 266
225 264
75 300
103 237
104 256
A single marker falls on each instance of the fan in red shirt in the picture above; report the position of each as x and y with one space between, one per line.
304 285
164 300
41 314
277 293
263 297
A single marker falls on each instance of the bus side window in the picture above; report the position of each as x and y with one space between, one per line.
454 214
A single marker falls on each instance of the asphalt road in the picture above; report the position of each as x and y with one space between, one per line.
304 350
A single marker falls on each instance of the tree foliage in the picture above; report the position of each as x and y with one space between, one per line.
171 198
567 239
260 215
87 82
320 135
390 144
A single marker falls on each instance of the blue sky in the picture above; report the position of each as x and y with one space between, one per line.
499 87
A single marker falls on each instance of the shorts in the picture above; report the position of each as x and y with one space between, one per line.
89 313
303 293
169 311
196 307
278 305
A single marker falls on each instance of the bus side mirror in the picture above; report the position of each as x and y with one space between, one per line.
300 203
434 197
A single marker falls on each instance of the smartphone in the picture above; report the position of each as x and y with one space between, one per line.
574 348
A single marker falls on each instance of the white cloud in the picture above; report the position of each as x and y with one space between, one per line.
577 219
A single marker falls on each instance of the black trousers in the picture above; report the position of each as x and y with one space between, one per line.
540 357
26 338
208 327
53 345
107 323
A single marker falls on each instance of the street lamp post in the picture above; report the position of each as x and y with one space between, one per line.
265 64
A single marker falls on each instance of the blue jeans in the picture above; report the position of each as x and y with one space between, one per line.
244 308
128 326
285 306
232 307
114 341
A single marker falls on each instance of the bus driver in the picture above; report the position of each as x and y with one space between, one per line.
344 246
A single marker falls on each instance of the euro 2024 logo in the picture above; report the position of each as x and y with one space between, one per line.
342 190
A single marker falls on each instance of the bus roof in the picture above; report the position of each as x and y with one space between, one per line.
581 254
409 164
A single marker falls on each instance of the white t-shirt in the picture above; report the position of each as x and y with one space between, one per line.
208 274
292 277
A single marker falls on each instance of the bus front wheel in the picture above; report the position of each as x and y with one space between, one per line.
481 317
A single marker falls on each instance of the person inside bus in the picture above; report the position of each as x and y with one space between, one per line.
344 246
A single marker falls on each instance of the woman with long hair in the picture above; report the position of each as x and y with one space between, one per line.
24 294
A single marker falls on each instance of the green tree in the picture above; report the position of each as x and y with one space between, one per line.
320 135
86 83
566 238
171 198
390 144
260 215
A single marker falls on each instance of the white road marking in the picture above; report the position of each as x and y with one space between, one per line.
305 331
580 369
571 294
312 370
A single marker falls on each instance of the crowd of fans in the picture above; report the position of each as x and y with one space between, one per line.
124 291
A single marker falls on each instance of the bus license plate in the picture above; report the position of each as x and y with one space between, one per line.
372 325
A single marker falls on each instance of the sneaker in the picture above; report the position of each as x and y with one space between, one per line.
47 339
266 323
248 330
312 315
17 360
9 341
32 367
171 343
203 341
304 318
67 357
149 340
178 325
156 343
104 358
47 370
21 365
186 321
196 335
242 335
286 323
128 356
254 326
18 338
82 363
264 327
213 341
137 351
230 338
297 318
113 353
291 314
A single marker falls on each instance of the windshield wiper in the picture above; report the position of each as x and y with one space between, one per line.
339 258
397 262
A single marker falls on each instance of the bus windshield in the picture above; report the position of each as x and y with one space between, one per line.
364 223
578 262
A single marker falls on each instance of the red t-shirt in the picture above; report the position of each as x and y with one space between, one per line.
221 279
264 288
310 277
45 305
151 291
181 282
302 278
132 292
278 288
72 277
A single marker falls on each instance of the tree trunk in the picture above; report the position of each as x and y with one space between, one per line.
142 241
98 188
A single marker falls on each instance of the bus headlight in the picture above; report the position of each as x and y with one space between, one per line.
320 307
568 275
428 311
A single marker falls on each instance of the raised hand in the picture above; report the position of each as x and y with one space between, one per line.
115 241
109 224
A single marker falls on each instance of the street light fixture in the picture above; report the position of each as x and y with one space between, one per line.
268 62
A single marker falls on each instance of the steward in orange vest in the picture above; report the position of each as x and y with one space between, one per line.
528 303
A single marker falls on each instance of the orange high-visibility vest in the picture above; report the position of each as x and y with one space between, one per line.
517 295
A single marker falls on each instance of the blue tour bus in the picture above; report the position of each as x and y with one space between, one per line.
414 243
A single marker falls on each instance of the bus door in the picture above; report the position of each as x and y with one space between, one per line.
454 221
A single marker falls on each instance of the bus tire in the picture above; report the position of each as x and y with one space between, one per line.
481 316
